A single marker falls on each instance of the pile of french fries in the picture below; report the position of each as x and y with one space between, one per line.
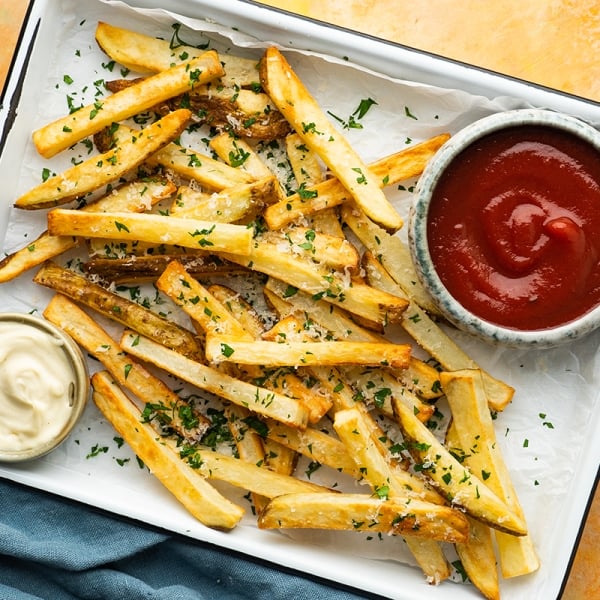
309 370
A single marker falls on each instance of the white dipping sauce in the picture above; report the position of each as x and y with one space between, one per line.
36 387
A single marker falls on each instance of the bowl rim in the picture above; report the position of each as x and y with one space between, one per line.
455 312
80 371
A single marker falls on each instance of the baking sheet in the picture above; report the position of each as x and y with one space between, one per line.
547 434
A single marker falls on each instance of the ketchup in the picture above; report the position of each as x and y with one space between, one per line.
514 227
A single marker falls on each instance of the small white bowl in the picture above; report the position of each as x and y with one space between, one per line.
35 338
449 307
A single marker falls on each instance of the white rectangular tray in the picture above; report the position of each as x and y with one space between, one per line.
554 472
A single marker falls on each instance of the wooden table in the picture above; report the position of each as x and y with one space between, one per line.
552 43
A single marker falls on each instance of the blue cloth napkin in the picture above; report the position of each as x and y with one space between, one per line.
52 549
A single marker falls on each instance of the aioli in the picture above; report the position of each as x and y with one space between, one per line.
36 387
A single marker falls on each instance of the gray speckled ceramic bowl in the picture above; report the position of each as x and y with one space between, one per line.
418 237
76 381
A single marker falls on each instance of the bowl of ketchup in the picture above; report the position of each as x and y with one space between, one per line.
505 228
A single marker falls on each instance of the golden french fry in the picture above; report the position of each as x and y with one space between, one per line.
379 386
309 121
245 475
437 343
476 435
477 554
220 348
153 228
146 54
98 171
135 196
246 113
241 310
231 204
127 372
186 162
316 445
210 173
185 483
208 312
304 162
391 251
321 282
330 250
259 400
248 443
361 512
389 170
119 309
461 486
240 154
355 431
66 131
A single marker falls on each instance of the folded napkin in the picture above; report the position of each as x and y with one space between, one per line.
52 549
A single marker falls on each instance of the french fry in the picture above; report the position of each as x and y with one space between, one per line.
245 113
222 349
210 173
43 248
436 342
331 285
139 269
309 121
477 553
66 131
240 154
259 400
101 170
231 204
305 163
461 486
356 431
308 171
191 489
245 475
389 170
316 445
119 309
476 435
239 309
353 428
199 303
379 387
287 301
186 162
391 251
153 228
248 444
127 372
329 250
136 196
361 512
146 54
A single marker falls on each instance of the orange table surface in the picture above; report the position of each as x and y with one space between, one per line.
551 42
